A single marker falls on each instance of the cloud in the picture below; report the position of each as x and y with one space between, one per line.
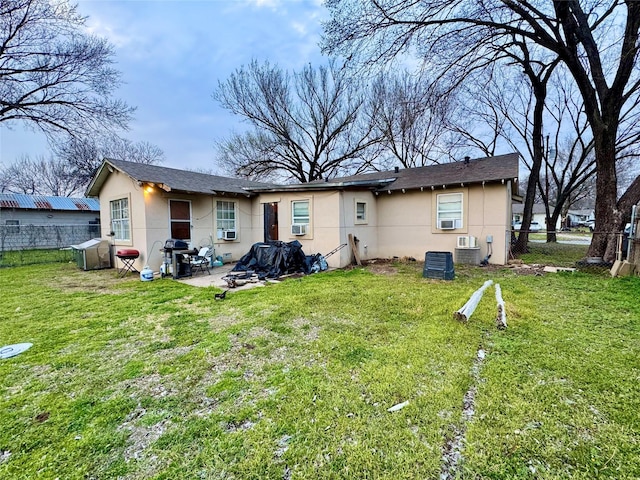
264 3
172 53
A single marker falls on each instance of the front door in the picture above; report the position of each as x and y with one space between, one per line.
270 222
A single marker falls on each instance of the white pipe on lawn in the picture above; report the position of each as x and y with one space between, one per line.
467 310
501 319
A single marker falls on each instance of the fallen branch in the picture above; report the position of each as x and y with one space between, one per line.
465 312
501 319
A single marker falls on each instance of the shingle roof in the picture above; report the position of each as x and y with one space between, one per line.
490 169
518 208
41 202
172 179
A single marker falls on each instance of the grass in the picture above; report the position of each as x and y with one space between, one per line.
13 258
137 380
560 255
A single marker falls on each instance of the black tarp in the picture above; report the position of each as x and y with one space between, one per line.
274 259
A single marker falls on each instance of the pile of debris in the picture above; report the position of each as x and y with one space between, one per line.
271 260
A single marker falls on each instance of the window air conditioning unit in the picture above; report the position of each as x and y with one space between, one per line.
447 224
298 229
228 234
465 241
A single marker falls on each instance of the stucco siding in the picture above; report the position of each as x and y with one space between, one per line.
365 230
407 224
324 228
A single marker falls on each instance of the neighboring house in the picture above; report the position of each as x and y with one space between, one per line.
395 213
539 215
580 217
41 222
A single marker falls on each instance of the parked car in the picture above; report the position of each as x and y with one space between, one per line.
590 224
534 227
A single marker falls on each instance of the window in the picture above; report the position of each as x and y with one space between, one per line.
180 217
12 226
449 214
361 212
120 224
300 212
225 216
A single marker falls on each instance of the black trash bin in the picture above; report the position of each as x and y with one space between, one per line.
438 265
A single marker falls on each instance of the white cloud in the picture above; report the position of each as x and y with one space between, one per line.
265 3
299 27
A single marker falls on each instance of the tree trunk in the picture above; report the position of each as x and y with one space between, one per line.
540 93
608 217
551 229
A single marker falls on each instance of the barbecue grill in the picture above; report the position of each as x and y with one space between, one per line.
127 256
174 255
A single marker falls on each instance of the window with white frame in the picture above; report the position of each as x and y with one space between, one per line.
449 213
225 216
300 212
361 212
120 224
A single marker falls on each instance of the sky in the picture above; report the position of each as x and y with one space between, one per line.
172 53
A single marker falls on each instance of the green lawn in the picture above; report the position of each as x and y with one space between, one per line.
137 380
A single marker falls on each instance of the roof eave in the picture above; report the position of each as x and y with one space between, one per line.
435 186
323 186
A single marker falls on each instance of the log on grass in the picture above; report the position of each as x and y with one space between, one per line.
501 318
467 310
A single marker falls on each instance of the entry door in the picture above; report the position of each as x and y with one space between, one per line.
270 222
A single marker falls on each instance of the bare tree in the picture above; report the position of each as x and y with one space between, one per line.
83 156
597 41
53 75
304 126
42 176
72 165
413 120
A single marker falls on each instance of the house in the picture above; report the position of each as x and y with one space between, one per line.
36 221
404 212
577 218
539 215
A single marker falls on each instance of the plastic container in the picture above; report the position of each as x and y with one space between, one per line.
438 265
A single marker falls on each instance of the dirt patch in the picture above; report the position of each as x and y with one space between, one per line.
382 269
141 437
454 444
96 281
309 332
148 385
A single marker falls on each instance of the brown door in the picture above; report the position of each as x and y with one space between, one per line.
270 222
180 213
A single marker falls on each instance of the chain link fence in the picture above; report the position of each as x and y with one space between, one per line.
34 244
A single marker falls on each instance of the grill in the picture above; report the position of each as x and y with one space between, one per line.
174 262
127 256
